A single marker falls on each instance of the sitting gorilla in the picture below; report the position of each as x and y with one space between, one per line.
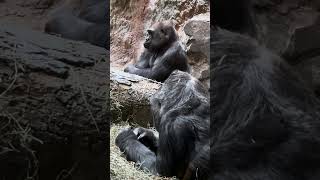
163 54
181 116
81 20
265 123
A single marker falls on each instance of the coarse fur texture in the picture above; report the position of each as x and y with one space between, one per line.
265 122
163 54
181 117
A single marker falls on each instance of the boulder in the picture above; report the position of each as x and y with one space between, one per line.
195 37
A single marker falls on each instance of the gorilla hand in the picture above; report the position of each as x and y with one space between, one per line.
130 68
135 151
147 137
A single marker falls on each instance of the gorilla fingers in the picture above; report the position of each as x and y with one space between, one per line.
135 151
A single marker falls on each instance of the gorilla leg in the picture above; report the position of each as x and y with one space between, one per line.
135 151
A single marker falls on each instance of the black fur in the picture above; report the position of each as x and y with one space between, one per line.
181 116
162 54
265 122
148 137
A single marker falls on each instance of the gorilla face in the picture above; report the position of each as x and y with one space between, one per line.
159 35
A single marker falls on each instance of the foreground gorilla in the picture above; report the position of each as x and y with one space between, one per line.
82 20
181 116
163 54
265 122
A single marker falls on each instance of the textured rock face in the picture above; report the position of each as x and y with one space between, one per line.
196 38
127 25
180 11
291 28
54 91
277 22
129 20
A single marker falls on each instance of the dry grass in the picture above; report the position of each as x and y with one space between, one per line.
120 168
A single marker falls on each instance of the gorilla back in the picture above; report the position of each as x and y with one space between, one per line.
163 54
265 122
181 116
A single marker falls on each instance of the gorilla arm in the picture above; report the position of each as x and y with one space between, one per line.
163 65
176 142
158 72
143 61
135 151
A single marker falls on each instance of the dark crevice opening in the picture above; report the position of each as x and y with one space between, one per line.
234 16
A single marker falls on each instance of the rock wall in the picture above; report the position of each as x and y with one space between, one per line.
32 13
53 106
129 19
291 28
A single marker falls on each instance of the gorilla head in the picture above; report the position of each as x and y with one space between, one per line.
160 35
162 54
185 92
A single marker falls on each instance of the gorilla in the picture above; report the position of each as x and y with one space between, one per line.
81 20
265 122
163 54
181 117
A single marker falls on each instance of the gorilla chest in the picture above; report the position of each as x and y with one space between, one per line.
154 59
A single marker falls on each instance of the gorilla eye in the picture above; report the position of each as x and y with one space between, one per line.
162 30
149 32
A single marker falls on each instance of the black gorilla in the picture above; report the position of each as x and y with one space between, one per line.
265 123
181 116
162 54
86 20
